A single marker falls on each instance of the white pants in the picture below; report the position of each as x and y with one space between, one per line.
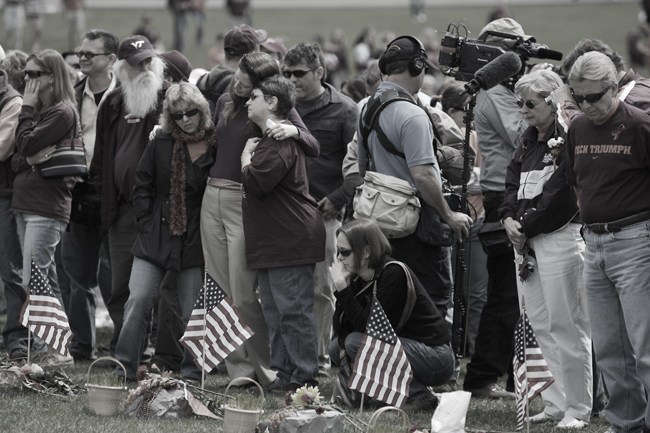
556 304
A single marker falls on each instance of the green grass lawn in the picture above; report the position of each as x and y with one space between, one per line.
558 26
27 412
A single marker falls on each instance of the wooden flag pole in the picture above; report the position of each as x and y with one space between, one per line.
29 332
523 307
205 284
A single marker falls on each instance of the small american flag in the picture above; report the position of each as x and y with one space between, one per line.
381 369
532 375
224 330
43 314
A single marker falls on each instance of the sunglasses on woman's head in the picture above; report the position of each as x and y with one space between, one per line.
188 113
343 253
35 74
592 98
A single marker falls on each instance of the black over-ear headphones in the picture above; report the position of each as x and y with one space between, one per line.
416 61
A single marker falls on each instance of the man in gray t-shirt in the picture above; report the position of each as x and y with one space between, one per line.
409 129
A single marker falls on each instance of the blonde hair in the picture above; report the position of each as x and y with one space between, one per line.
62 91
190 95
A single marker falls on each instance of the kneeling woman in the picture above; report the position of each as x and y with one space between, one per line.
364 263
169 185
285 237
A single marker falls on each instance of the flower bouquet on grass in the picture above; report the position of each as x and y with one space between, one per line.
50 382
306 405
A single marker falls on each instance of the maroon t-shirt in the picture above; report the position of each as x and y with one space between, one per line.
127 156
610 165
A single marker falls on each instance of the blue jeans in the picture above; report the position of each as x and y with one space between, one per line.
617 283
39 237
80 253
287 296
11 272
143 293
431 366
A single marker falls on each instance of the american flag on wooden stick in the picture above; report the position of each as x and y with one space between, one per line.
43 314
381 369
215 324
532 375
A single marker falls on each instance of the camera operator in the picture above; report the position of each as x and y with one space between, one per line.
500 126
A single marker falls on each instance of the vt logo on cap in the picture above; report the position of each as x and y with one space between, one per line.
135 49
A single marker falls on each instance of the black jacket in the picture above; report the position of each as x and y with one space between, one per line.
102 168
537 194
151 199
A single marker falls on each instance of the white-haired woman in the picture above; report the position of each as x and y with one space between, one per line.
540 215
169 185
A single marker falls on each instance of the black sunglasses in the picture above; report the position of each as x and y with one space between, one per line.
188 113
343 253
591 98
89 55
298 73
35 74
529 104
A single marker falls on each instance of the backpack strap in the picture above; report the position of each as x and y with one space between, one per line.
370 120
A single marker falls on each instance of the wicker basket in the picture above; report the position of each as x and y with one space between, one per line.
240 420
372 423
104 400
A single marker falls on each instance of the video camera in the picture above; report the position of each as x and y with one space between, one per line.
470 55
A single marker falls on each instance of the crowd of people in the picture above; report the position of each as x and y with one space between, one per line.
249 171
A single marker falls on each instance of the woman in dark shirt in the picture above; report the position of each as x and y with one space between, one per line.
363 266
42 205
285 236
222 229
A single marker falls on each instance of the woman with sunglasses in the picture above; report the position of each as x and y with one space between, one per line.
284 236
222 230
42 205
167 194
364 267
540 215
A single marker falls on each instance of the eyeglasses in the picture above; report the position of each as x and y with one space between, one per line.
343 253
89 55
188 113
592 98
35 74
254 96
298 73
529 104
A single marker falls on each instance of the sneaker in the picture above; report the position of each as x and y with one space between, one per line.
450 386
18 354
541 417
323 372
45 359
492 390
428 404
276 388
570 422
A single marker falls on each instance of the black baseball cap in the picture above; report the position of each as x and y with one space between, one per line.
135 49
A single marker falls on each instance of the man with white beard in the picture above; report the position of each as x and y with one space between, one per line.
124 122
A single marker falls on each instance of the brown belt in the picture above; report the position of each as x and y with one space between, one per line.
616 226
225 184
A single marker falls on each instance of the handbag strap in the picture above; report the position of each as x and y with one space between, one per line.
410 296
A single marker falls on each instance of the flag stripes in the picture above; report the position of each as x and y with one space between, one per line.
43 314
216 328
381 369
532 375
